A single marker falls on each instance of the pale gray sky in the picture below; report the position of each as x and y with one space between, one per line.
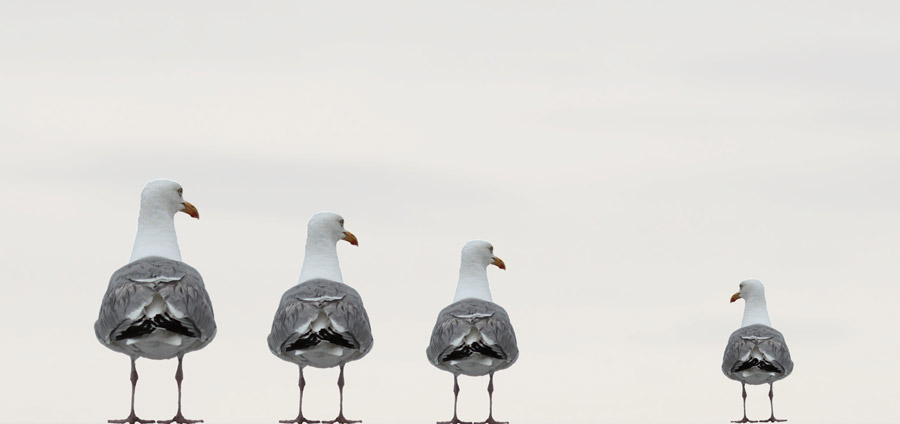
631 162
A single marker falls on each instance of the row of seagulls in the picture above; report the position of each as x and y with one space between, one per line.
756 353
157 307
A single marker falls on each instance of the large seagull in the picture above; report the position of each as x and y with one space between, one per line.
156 306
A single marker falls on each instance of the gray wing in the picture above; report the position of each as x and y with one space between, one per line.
302 304
457 320
189 296
770 342
133 287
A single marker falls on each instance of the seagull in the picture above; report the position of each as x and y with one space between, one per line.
756 353
156 306
321 322
473 335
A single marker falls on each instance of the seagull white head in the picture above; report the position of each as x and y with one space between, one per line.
329 226
480 253
750 289
755 309
168 196
473 282
323 232
160 201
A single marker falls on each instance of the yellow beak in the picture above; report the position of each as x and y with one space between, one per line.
350 238
735 296
190 210
499 263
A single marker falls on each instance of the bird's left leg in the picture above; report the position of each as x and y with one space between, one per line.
300 418
772 418
744 396
132 418
340 418
490 419
455 419
180 419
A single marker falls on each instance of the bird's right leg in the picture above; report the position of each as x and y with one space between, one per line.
132 419
455 419
300 418
744 395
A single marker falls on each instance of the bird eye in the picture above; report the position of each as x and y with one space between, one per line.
491 248
180 191
342 222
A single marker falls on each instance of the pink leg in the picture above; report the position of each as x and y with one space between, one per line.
132 419
180 419
300 418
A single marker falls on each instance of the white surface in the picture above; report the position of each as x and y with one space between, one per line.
632 161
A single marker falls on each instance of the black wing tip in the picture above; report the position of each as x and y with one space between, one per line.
167 322
312 339
467 350
337 339
487 350
138 329
146 326
753 362
305 341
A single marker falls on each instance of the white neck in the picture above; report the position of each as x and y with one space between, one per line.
155 235
755 311
320 260
473 282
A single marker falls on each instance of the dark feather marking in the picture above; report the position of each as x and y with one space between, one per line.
753 362
305 341
461 352
167 322
466 351
312 339
138 329
336 338
147 326
486 350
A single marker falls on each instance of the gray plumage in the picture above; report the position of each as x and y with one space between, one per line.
186 309
757 354
306 304
472 337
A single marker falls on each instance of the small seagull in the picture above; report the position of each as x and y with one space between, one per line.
473 335
156 306
321 322
756 353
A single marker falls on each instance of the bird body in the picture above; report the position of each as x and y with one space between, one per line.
473 337
757 354
322 324
155 308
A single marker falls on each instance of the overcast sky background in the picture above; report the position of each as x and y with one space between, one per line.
631 162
